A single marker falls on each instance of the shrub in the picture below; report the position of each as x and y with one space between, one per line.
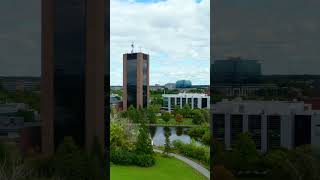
122 157
125 157
192 150
166 116
179 118
70 162
206 138
144 160
197 117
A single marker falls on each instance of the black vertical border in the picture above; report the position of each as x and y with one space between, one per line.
212 11
107 85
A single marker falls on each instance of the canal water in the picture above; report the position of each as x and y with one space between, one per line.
176 133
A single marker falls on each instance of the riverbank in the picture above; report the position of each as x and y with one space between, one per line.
166 125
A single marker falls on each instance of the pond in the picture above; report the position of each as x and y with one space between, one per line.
176 133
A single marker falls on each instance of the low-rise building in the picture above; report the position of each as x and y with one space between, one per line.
14 127
272 124
195 100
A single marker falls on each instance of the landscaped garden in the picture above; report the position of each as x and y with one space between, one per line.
132 153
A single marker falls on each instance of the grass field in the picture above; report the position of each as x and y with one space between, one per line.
165 168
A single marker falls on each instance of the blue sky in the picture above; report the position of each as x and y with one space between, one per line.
174 32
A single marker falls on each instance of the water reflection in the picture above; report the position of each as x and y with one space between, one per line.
176 133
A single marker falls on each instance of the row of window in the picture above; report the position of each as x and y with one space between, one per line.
184 101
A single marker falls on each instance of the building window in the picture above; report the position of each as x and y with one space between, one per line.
190 101
236 127
204 102
172 102
254 127
273 131
132 82
178 101
195 103
183 102
165 102
218 123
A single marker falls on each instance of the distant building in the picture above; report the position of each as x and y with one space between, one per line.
195 101
135 80
13 84
238 77
116 87
14 128
236 71
170 86
272 124
156 87
183 84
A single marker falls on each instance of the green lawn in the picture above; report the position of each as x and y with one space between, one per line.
165 168
186 121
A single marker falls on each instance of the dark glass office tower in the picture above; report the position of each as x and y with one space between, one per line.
135 80
73 72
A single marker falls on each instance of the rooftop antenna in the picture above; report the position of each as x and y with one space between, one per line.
132 46
140 49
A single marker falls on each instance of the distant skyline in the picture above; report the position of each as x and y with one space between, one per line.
175 33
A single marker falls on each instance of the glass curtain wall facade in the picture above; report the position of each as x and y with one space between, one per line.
69 69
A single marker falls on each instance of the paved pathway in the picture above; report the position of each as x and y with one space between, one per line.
193 164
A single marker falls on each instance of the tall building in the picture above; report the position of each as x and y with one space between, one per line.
73 72
135 80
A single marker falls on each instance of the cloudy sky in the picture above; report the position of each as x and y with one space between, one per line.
282 34
176 34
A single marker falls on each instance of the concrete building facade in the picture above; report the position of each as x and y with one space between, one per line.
272 124
193 99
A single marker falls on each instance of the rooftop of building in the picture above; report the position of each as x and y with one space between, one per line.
187 95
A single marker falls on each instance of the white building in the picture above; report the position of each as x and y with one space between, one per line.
193 99
272 124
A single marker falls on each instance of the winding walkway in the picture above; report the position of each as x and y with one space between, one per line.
193 164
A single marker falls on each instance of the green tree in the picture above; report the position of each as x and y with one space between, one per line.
133 114
186 110
244 152
167 145
70 162
206 115
166 116
152 110
143 144
197 117
176 110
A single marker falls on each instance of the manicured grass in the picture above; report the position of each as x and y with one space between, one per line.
165 168
186 121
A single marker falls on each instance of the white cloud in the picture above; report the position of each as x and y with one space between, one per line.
171 31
